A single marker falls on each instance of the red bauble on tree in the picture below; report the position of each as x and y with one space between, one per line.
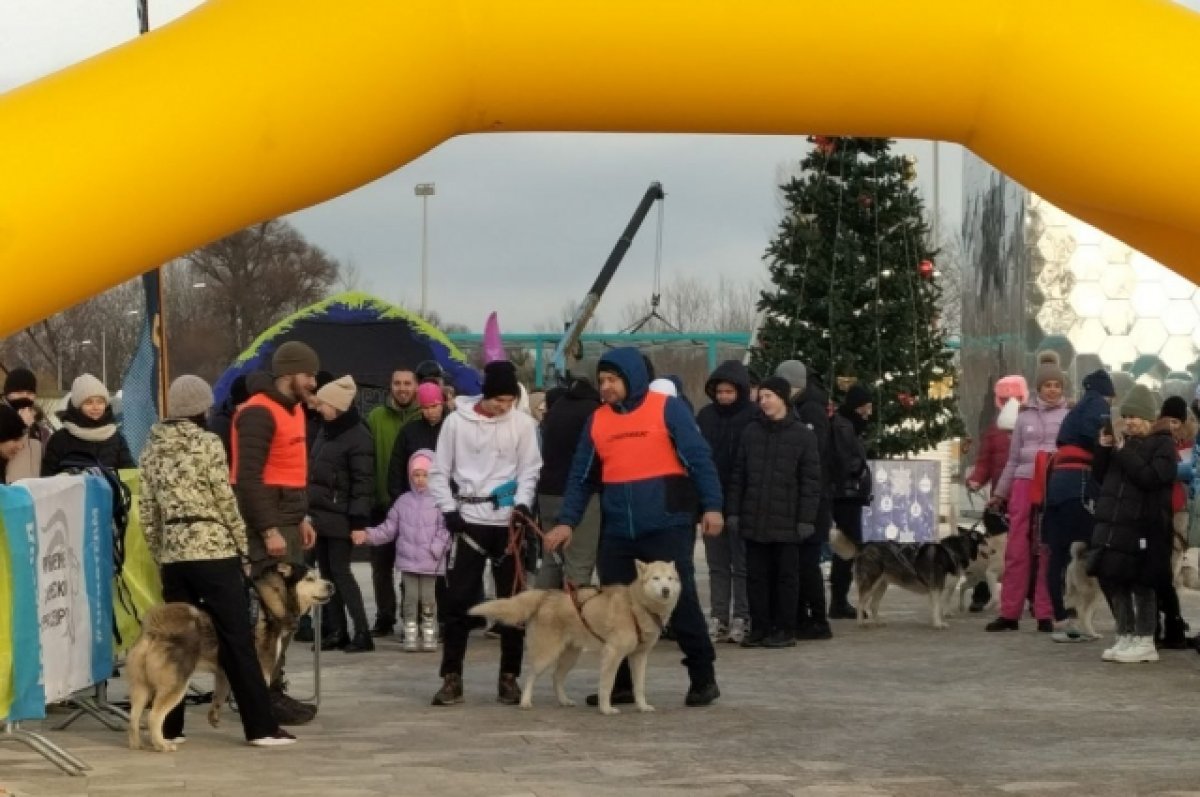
925 269
906 400
865 201
825 144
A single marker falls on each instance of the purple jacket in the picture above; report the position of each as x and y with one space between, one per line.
1036 430
416 524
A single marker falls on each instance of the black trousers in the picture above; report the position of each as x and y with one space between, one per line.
847 515
461 592
1062 525
333 557
772 585
217 587
811 585
616 564
383 563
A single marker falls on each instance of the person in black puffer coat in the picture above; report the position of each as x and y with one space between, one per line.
850 488
1132 537
722 423
810 401
772 501
89 435
341 486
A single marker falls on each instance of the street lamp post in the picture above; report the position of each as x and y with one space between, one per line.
424 190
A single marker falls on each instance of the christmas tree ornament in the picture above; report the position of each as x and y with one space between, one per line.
906 400
925 269
865 201
826 145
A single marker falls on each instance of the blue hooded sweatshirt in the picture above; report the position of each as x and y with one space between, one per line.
1081 428
647 506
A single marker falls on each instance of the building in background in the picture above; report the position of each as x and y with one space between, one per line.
1037 278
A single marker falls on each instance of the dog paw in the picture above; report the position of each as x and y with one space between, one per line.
645 708
135 744
214 718
609 711
525 706
567 703
166 747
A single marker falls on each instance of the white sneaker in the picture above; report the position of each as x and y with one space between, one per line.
1140 649
280 738
717 631
412 640
429 634
737 631
1110 654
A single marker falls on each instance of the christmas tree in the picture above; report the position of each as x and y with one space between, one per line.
855 291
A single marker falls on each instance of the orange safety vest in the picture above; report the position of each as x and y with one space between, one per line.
287 461
636 445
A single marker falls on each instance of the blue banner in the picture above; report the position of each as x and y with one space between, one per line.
20 536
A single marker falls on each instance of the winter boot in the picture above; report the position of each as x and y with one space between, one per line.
335 641
1110 654
412 642
288 710
382 627
702 694
842 610
508 691
1002 624
451 691
1139 649
429 637
361 643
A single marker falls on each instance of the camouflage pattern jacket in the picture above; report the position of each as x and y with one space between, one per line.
188 509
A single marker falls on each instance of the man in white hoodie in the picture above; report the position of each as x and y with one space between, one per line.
486 467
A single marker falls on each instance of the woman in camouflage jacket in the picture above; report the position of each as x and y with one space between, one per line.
194 532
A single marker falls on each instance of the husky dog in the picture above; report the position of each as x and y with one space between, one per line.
178 639
929 568
989 567
1083 591
622 621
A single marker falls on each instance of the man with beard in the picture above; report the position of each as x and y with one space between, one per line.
386 422
270 479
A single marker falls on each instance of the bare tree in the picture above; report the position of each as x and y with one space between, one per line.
565 316
689 304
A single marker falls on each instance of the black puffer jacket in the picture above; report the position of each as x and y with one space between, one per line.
812 408
776 480
83 442
722 425
561 429
341 476
849 473
413 437
1133 512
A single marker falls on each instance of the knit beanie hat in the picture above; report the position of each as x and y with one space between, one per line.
664 386
778 385
293 358
1174 407
85 387
429 394
500 379
1049 369
20 380
1012 386
856 397
188 396
1139 404
420 461
794 372
339 393
12 425
1101 382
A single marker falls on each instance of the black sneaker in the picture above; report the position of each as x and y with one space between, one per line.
1045 626
620 697
290 711
702 694
280 738
842 611
814 631
780 639
382 628
1002 624
451 691
753 640
335 641
361 643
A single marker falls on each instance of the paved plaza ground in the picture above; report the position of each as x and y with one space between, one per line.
901 710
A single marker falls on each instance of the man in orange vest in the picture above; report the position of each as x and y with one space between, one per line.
270 478
646 455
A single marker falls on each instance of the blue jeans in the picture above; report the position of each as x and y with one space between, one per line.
616 566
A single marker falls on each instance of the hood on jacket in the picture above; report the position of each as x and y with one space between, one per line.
173 432
627 363
465 406
419 454
733 372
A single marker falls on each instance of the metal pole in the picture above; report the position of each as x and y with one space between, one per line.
424 254
104 357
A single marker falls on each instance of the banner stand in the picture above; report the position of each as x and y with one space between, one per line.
69 764
98 708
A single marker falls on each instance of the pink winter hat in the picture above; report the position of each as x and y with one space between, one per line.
429 394
1013 386
420 461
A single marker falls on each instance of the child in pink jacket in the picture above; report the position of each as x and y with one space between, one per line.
416 524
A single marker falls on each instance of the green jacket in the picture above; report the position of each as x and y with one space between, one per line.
386 422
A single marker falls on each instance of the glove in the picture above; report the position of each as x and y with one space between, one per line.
731 524
804 531
523 512
454 522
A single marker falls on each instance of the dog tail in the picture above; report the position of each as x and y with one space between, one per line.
171 620
512 611
842 545
1078 549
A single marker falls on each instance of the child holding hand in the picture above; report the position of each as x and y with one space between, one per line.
416 524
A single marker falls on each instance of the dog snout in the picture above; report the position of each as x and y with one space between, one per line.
666 592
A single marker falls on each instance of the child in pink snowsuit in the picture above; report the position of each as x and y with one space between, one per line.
416 524
1036 431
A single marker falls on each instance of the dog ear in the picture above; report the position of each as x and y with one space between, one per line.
298 573
641 567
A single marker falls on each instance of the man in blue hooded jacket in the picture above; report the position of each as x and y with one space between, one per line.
644 453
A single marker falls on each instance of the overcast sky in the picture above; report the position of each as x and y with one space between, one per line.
521 223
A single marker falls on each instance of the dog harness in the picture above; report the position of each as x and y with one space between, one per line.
573 593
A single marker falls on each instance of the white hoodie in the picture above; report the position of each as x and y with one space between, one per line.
480 454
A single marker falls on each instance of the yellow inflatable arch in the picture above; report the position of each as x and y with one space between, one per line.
247 109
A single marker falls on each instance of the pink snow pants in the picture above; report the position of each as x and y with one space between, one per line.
1018 559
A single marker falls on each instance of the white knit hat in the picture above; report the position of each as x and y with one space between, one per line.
85 387
1007 420
339 393
664 386
188 396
